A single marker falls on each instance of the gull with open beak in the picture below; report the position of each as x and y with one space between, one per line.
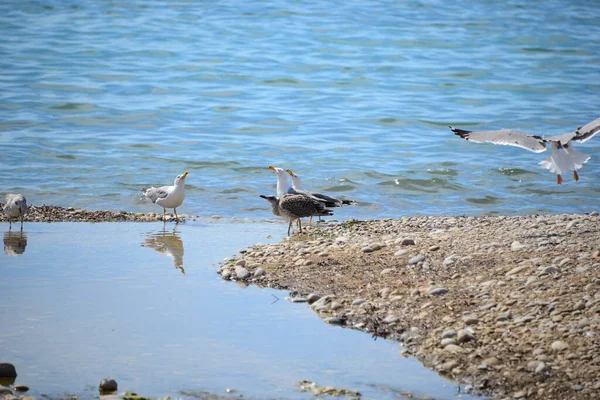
168 196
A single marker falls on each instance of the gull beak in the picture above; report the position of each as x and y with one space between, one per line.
271 167
184 174
289 171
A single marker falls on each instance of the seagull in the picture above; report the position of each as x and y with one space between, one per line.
15 206
563 157
168 196
295 206
335 202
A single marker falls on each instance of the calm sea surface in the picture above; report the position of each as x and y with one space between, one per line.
100 99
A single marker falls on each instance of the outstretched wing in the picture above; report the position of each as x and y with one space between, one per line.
587 131
506 137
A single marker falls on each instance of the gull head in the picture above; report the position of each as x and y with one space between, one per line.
282 181
180 179
295 179
270 199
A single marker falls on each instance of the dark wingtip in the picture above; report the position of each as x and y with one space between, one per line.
460 132
349 202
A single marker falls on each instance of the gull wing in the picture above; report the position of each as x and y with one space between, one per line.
506 137
154 194
587 131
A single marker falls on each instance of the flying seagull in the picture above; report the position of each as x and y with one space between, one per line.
295 206
168 196
563 157
15 206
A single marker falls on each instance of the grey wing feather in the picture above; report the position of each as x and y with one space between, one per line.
156 193
587 131
506 137
328 199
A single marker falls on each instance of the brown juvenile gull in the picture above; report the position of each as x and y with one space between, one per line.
15 206
564 157
168 196
295 206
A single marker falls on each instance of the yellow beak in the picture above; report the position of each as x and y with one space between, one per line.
289 171
272 167
185 174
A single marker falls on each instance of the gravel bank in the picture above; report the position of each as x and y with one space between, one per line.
509 305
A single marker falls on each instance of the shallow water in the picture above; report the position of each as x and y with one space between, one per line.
145 306
102 99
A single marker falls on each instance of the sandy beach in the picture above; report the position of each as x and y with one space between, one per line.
508 305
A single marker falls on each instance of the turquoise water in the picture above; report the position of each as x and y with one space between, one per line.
101 99
144 305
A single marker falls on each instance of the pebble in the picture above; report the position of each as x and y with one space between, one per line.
333 321
464 336
108 385
5 391
367 249
471 320
438 291
241 263
407 242
551 270
541 367
7 370
516 246
451 333
259 272
416 259
516 270
400 253
241 272
559 345
358 302
447 341
434 248
311 298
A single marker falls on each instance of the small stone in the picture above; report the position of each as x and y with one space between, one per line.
516 270
516 246
491 361
241 263
259 272
447 341
551 270
5 391
519 395
471 321
464 336
449 334
226 275
241 272
559 345
108 385
311 298
7 370
358 302
407 242
400 253
434 248
367 249
390 319
438 291
333 321
577 388
335 306
453 348
416 259
541 367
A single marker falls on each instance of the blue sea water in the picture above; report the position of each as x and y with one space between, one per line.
100 99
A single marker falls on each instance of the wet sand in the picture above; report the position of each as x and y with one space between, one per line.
508 305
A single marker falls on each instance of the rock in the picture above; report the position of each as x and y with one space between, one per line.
259 272
559 345
333 321
416 259
541 367
400 253
453 348
226 274
516 246
551 270
5 391
241 272
367 249
491 361
447 341
7 370
407 242
311 298
520 394
464 336
21 388
108 385
358 302
434 248
516 270
241 263
335 306
471 321
448 334
438 291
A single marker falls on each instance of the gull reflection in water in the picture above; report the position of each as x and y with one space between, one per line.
15 243
169 244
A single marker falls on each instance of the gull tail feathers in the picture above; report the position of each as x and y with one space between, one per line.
564 160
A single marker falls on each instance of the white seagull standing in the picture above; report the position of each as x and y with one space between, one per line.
15 206
563 157
168 196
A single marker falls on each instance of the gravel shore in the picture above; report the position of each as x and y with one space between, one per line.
508 305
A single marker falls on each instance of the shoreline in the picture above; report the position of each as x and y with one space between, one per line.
509 306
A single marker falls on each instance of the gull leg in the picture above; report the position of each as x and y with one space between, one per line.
310 221
9 224
575 175
176 217
21 223
164 214
289 227
558 179
300 225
